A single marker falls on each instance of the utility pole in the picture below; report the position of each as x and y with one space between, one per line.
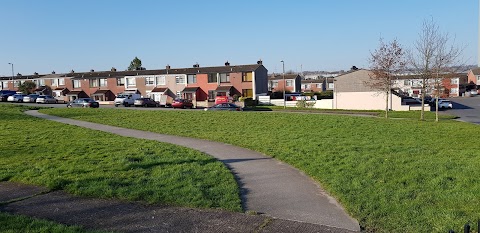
284 85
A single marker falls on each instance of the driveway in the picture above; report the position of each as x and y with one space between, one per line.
468 109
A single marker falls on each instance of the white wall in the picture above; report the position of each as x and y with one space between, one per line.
367 101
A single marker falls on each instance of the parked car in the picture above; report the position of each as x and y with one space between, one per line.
411 101
445 104
224 107
145 102
46 99
83 103
16 98
4 97
182 103
30 98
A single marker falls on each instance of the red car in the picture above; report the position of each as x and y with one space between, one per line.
182 103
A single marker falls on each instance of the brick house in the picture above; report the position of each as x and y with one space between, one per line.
474 77
196 83
293 83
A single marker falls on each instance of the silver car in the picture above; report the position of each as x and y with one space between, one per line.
16 98
46 99
30 98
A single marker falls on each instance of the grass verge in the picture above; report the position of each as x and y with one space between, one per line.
97 164
392 114
391 175
11 223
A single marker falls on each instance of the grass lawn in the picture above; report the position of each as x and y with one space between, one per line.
92 163
15 223
391 175
392 114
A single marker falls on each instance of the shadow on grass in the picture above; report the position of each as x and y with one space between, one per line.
140 165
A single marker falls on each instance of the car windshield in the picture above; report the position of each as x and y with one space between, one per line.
121 96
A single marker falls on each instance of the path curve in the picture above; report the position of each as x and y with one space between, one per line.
267 186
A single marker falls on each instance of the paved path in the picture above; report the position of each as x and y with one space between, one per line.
118 216
267 186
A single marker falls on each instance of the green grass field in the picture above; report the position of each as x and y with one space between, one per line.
15 223
392 114
92 163
391 175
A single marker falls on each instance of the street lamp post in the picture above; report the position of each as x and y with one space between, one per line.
13 73
284 85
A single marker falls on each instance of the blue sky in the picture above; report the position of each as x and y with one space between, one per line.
42 36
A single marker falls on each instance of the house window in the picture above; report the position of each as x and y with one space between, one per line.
149 81
120 82
41 82
247 77
54 82
17 83
247 93
61 81
76 84
179 94
102 82
212 78
93 82
289 83
406 82
454 91
454 81
160 80
478 78
130 82
224 77
319 85
179 79
274 83
5 84
211 95
191 78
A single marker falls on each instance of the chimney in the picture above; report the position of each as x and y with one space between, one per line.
35 73
196 65
53 72
18 74
72 71
167 67
259 62
113 69
92 70
227 63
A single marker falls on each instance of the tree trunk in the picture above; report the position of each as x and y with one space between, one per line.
386 104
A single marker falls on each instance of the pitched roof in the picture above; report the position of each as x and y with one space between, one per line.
102 92
194 70
476 71
190 89
280 76
159 89
224 88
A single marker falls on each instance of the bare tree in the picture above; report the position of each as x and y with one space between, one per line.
432 57
446 63
385 61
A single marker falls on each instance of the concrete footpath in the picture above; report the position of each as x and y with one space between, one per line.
268 187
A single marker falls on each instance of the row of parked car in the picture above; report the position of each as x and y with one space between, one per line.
442 103
32 98
185 103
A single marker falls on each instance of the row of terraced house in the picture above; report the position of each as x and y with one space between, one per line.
199 84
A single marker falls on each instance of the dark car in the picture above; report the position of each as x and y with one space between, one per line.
145 102
5 96
83 103
182 103
224 107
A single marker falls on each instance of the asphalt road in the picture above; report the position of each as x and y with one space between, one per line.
467 108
